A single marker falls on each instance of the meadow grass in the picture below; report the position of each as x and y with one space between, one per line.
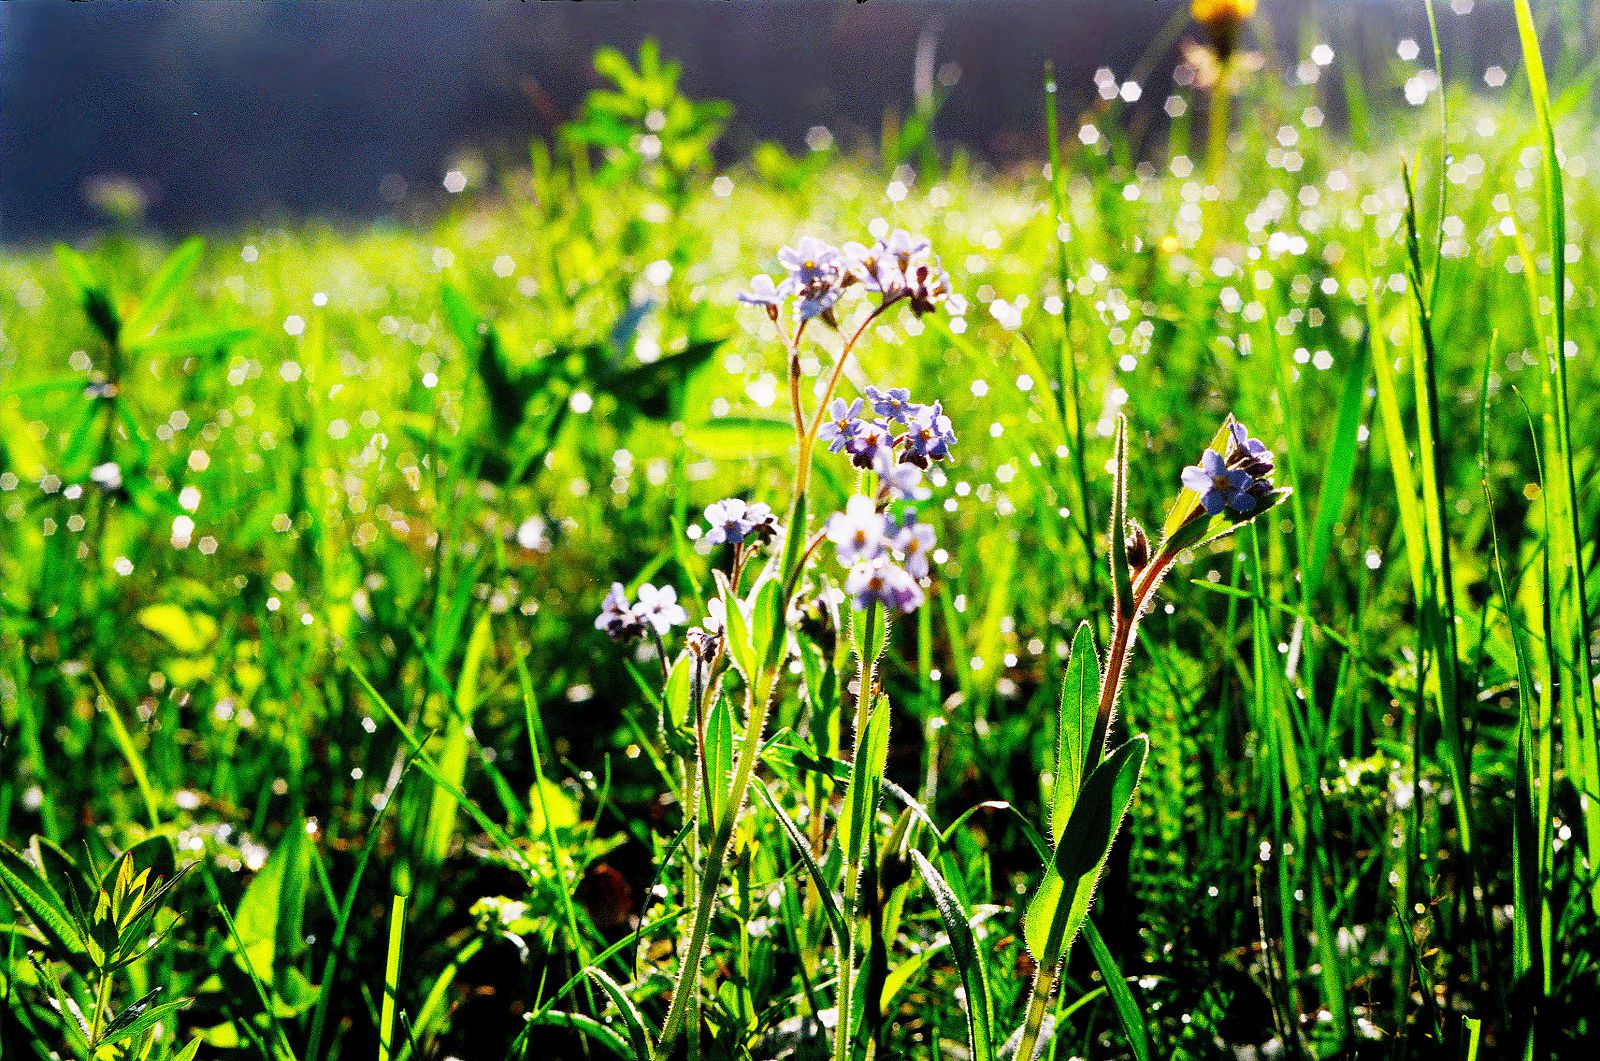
305 528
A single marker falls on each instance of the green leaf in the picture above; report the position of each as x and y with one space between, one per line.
1188 500
740 437
830 902
866 783
717 761
741 646
192 340
1337 474
80 273
269 916
638 1037
1059 905
1121 576
44 907
586 1024
61 872
767 626
549 807
970 961
1122 999
188 632
158 294
678 691
1075 726
457 741
139 1017
869 634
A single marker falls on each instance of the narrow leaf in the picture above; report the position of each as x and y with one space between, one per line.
970 961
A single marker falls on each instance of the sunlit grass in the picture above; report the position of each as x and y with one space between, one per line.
303 530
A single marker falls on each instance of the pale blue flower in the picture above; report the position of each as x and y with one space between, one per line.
1219 486
894 404
880 581
873 436
617 617
659 607
842 426
912 543
730 521
764 293
858 532
929 436
899 479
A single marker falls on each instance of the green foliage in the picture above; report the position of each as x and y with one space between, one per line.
312 606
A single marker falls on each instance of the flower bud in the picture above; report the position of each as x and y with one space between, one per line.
1137 543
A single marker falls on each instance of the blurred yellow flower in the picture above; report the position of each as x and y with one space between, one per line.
1215 13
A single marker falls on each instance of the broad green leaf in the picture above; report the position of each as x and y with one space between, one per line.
741 646
767 627
869 634
1075 726
970 960
678 691
1061 902
269 916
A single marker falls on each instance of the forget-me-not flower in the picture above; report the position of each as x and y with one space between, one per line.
880 581
659 607
1219 486
894 404
873 435
764 293
913 543
858 531
730 521
898 478
929 436
842 426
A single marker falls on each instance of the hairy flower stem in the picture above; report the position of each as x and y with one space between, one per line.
852 870
1124 629
757 703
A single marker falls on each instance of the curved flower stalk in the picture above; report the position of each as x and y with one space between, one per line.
747 635
1230 486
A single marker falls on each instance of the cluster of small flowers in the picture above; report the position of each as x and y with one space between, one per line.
874 546
896 268
1238 483
872 442
656 610
732 521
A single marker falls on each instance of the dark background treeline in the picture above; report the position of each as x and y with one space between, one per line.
226 111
